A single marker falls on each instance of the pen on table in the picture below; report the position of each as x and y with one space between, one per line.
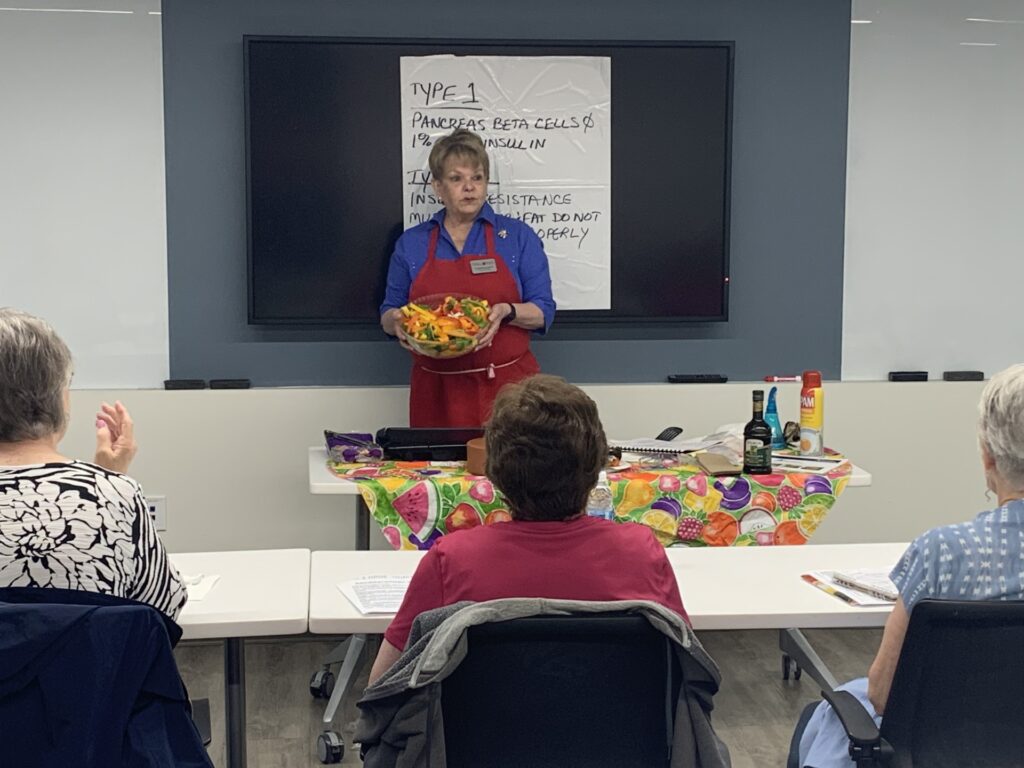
782 378
827 589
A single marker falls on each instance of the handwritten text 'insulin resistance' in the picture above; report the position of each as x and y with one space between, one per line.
425 197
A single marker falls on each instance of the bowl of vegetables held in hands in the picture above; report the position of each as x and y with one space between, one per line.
444 325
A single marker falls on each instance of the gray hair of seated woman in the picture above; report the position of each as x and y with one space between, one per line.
35 369
1001 423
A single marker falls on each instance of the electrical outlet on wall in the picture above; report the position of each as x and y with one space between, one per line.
158 511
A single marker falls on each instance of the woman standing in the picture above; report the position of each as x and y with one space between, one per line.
467 248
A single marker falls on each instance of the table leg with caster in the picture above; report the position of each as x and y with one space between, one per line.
321 684
797 653
329 744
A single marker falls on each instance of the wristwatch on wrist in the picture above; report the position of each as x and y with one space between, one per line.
512 313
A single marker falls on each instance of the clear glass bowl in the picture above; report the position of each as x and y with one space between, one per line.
441 349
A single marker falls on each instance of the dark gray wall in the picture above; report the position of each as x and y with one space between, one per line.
788 186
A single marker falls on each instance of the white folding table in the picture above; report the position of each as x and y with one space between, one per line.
761 588
331 614
258 593
722 587
323 481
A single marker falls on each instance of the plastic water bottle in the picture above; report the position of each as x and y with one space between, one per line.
771 415
599 504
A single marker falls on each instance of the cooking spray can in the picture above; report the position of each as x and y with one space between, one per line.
812 415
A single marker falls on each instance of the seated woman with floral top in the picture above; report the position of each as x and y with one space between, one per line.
65 523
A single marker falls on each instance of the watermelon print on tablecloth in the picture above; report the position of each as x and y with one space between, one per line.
418 507
415 503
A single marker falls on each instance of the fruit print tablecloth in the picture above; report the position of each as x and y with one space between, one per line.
415 503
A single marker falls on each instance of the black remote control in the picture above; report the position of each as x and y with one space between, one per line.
184 384
697 378
963 376
230 384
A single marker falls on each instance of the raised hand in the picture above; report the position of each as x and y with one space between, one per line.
115 437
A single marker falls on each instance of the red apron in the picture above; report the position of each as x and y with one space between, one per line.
459 392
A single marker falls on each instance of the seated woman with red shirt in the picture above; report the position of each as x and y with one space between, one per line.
545 447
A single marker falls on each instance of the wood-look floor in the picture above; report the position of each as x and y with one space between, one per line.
754 711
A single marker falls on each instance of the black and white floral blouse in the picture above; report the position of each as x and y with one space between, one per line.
76 525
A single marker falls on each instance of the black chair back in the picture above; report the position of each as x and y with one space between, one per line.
56 595
956 695
594 690
161 716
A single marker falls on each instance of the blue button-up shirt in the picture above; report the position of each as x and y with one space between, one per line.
982 559
521 249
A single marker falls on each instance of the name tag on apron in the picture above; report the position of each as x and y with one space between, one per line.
483 266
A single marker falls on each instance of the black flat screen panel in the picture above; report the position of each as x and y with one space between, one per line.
325 189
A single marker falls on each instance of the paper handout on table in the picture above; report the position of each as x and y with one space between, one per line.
826 582
815 465
376 594
874 583
199 584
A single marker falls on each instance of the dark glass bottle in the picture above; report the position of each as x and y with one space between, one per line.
757 440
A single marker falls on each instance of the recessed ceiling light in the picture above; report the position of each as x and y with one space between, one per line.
983 45
63 10
860 21
997 21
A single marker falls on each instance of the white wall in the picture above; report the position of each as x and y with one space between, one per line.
933 243
82 221
934 247
233 463
934 196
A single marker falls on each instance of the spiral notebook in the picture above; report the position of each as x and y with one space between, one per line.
647 445
657 447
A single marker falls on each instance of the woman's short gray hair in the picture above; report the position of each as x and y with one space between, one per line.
1001 423
462 144
35 368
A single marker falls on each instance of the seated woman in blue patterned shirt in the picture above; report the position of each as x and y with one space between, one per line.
982 559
